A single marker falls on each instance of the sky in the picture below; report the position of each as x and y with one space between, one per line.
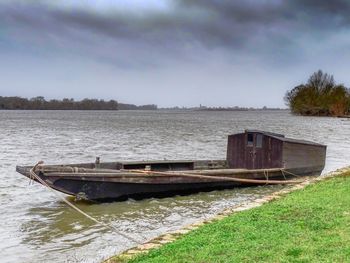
171 52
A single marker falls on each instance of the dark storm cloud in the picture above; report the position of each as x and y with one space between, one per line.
188 26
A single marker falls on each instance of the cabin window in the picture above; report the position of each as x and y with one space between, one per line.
250 139
259 139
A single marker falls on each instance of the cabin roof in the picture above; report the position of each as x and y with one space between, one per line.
292 140
281 137
266 133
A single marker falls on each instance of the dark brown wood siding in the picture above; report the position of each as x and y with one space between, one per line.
272 156
236 151
240 155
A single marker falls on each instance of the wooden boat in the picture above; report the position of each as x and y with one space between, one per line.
253 157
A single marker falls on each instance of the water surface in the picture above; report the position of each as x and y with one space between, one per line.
35 226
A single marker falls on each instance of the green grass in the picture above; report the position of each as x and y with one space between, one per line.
309 225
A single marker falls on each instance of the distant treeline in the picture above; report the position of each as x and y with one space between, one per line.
123 106
234 108
320 96
39 103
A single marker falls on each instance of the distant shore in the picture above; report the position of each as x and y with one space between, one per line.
40 103
240 109
160 109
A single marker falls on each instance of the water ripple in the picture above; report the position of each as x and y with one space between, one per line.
44 229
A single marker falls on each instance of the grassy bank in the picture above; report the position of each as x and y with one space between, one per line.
309 225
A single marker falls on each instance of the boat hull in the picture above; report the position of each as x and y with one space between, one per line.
121 186
110 191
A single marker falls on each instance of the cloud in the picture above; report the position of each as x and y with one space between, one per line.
183 30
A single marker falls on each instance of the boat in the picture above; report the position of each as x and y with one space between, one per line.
253 157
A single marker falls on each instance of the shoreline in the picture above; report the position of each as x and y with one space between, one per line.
172 236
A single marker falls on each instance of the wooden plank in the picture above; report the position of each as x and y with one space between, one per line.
298 155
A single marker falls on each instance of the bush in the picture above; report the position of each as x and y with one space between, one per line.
320 96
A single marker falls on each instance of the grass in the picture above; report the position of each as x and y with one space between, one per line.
308 225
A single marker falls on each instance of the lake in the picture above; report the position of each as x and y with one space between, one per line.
36 226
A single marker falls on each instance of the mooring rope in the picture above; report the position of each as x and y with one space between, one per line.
283 170
284 176
266 174
33 176
217 178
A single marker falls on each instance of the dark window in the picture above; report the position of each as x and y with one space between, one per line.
259 139
250 139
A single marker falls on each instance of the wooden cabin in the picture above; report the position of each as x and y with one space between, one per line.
256 149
